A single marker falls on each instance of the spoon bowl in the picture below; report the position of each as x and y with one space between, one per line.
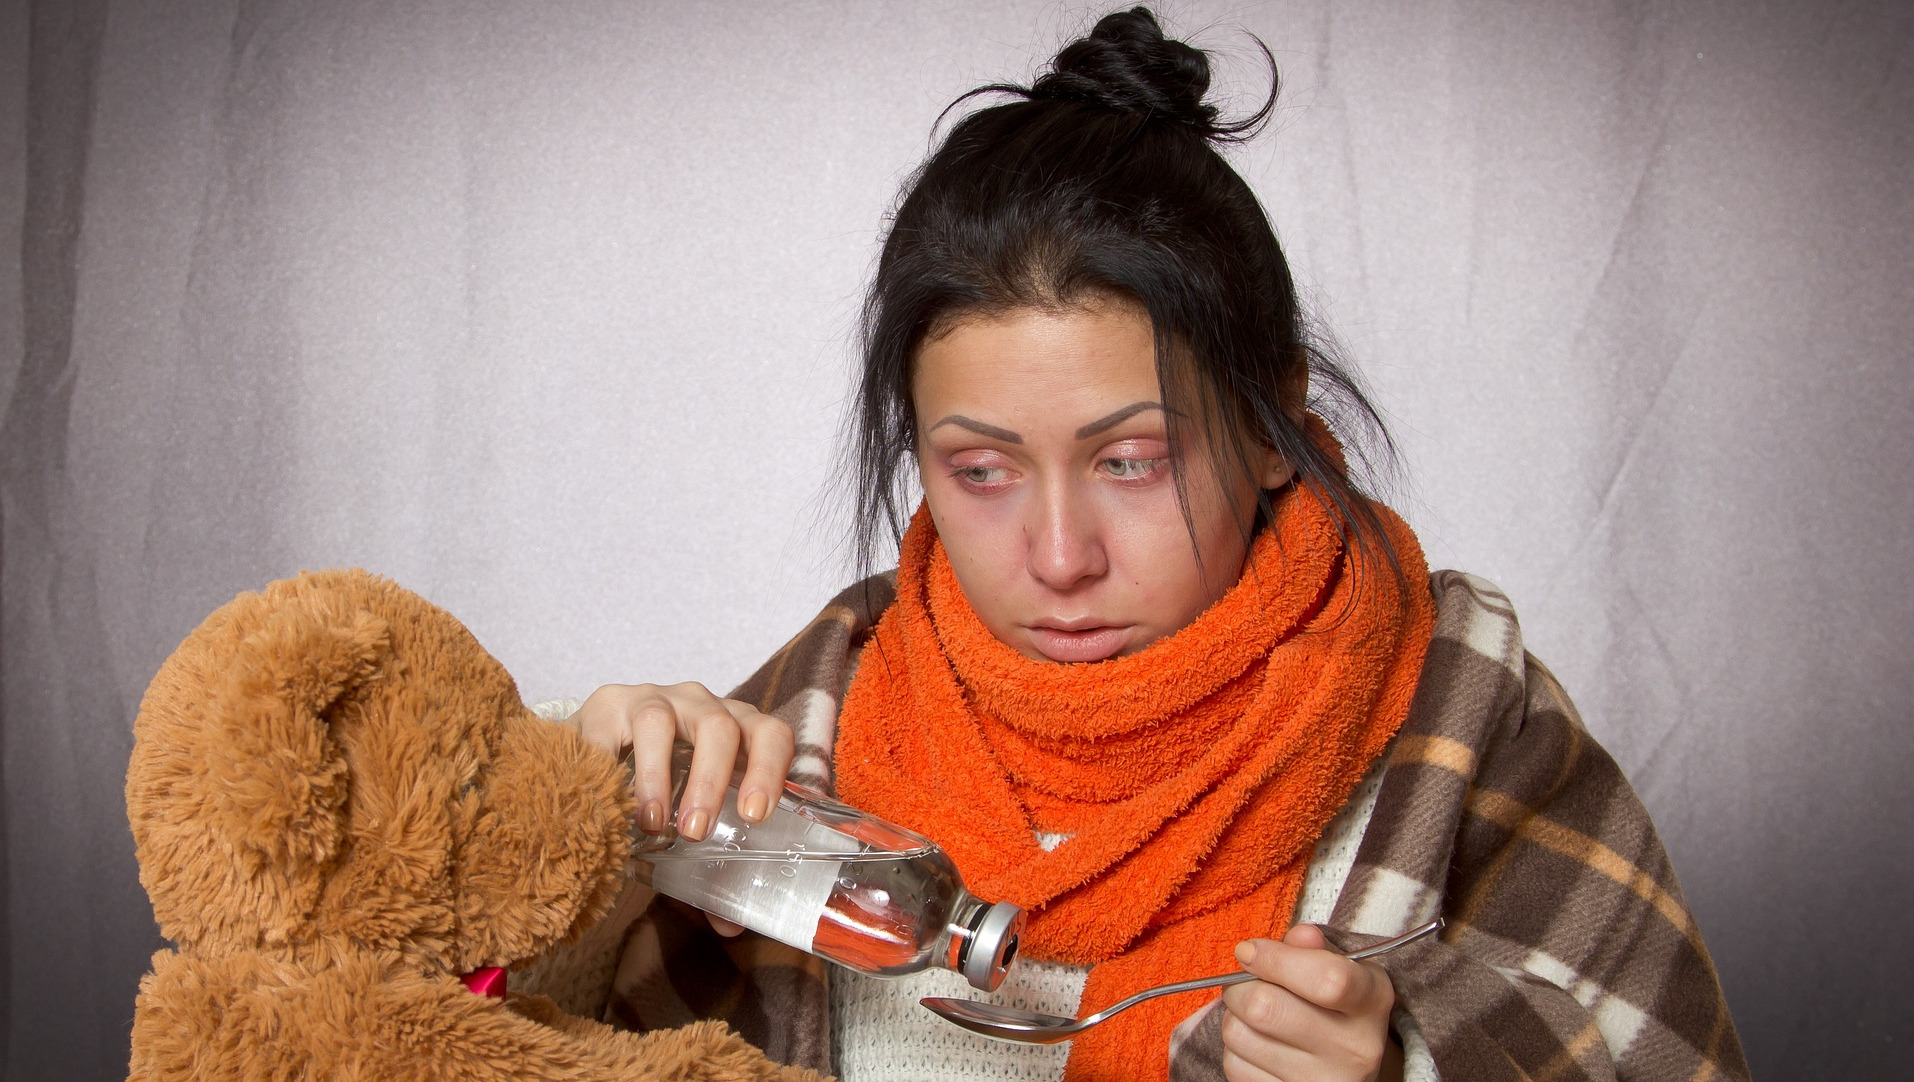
1032 1027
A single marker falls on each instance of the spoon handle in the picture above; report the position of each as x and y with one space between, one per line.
1223 979
1218 981
1393 942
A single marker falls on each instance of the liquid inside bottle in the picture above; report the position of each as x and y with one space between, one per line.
830 880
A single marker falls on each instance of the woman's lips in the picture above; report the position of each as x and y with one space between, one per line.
1087 644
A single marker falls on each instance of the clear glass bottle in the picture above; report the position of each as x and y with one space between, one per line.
831 880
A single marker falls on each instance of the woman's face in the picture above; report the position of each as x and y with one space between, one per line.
1042 448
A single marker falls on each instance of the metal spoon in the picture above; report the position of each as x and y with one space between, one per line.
1030 1027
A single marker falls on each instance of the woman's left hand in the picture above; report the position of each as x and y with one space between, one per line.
1313 1016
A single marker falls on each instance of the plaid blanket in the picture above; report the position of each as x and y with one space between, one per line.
1569 953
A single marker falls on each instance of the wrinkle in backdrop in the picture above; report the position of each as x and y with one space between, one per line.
545 311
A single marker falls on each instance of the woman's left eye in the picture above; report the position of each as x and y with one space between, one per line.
1130 469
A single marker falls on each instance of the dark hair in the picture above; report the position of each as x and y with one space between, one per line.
1104 179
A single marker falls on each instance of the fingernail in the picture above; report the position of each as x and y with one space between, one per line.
695 826
1245 953
754 807
652 819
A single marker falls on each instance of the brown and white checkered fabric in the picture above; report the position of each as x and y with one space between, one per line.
1569 953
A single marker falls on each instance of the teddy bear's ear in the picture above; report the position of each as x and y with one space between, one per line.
234 750
278 772
237 785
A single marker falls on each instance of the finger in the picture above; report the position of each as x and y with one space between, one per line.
600 719
1277 1014
1238 1069
723 927
769 745
715 737
652 722
1323 977
1248 1054
1308 937
1251 1064
1284 1035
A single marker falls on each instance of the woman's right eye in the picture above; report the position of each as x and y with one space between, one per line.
981 475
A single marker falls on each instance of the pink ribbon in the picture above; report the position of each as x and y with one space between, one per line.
486 981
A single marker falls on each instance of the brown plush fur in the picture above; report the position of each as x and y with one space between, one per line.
341 804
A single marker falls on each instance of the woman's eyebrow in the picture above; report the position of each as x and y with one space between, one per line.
1106 423
978 427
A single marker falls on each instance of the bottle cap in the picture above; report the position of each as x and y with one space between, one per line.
992 946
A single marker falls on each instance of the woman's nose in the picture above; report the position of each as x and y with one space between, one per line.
1065 543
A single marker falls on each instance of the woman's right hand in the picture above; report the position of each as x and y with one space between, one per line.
648 719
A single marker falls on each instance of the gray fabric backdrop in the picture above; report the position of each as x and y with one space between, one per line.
544 310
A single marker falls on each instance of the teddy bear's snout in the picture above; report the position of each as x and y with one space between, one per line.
544 845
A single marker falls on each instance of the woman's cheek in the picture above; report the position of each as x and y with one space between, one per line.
1149 548
972 524
1144 517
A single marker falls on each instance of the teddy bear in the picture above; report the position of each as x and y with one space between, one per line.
350 827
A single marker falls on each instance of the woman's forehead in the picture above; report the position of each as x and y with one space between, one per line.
1030 360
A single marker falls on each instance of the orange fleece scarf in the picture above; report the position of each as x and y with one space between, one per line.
1193 777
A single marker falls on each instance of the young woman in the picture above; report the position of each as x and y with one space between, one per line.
1155 669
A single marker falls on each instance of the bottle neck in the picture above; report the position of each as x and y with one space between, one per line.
981 940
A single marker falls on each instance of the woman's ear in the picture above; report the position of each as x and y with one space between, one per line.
1293 396
1274 469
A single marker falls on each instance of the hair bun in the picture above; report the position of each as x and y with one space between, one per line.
1126 63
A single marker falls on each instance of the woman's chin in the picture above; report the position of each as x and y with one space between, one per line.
1093 644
